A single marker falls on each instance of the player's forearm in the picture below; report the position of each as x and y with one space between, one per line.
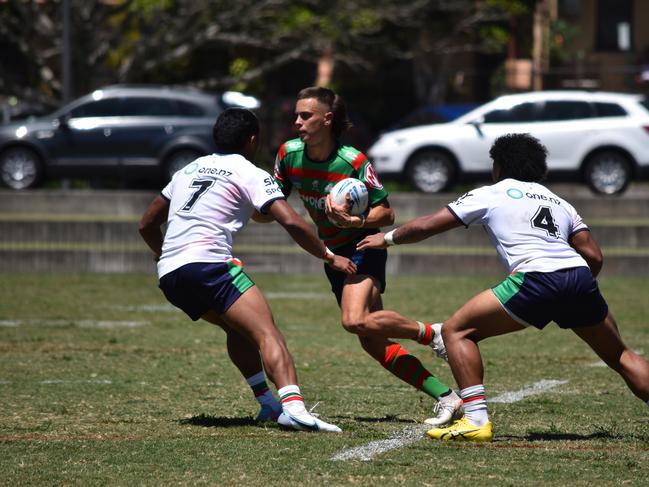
304 236
379 216
424 226
153 238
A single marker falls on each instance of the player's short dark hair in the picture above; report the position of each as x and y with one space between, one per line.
233 128
520 156
334 103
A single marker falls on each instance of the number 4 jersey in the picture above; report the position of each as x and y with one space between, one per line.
529 225
209 201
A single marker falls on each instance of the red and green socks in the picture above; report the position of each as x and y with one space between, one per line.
425 333
409 369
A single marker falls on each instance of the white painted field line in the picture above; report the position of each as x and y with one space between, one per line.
61 381
528 390
405 437
412 434
601 363
150 308
105 324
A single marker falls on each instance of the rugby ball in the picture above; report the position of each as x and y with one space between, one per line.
358 195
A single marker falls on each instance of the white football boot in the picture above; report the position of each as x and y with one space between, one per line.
448 409
304 421
437 343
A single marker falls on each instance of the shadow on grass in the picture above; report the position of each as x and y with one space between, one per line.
388 418
539 436
217 422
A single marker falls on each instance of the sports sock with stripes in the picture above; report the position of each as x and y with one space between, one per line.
291 399
409 369
262 392
474 403
425 333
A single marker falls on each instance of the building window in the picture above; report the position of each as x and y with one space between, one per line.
614 25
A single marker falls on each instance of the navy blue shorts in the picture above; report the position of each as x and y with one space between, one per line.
370 262
569 297
199 287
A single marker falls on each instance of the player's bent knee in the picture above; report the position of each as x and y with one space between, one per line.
355 326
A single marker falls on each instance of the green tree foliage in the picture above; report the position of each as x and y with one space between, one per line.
221 44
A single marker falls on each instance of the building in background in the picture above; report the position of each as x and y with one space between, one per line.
587 44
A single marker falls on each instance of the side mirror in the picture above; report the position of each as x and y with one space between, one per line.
61 122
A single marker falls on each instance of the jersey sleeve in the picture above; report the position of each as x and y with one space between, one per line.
375 189
166 191
472 207
261 189
576 223
280 173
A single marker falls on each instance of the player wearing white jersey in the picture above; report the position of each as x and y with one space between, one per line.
552 260
204 205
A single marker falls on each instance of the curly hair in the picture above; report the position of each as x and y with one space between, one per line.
334 103
233 128
520 156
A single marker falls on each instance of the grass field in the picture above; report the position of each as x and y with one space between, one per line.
102 383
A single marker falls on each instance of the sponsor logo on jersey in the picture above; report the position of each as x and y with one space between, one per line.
191 168
315 185
313 201
370 178
515 193
542 197
214 171
328 187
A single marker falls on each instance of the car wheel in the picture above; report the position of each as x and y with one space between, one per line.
431 171
179 159
20 168
608 172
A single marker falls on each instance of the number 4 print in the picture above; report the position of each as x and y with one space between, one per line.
543 220
203 185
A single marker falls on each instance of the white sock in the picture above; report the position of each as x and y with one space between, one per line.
262 392
291 399
475 404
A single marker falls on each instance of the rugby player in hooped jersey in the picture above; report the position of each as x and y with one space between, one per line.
312 164
552 260
204 205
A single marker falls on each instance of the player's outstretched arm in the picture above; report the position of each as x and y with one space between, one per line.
586 246
305 237
154 216
414 231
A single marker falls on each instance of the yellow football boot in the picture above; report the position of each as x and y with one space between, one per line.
462 430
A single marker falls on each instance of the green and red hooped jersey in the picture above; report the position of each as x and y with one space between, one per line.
314 179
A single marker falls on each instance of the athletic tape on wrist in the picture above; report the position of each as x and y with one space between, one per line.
328 255
389 238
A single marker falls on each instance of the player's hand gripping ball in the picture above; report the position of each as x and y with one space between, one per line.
356 204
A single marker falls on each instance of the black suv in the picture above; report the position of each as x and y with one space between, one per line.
121 132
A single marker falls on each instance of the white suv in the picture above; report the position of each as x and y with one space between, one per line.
603 138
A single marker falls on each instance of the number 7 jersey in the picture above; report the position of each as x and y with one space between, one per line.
529 225
210 200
